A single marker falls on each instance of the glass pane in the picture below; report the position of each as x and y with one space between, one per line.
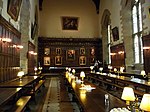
109 56
134 17
142 58
140 17
136 49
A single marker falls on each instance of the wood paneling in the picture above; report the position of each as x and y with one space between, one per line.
31 57
118 55
146 53
69 44
9 53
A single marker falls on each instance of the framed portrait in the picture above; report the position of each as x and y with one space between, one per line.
14 8
58 60
46 60
92 51
115 33
47 51
70 23
70 54
58 51
82 60
92 60
82 51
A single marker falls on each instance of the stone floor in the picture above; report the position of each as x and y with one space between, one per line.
49 99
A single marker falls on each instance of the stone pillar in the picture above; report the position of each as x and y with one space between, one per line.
24 28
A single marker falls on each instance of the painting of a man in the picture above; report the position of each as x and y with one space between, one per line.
71 55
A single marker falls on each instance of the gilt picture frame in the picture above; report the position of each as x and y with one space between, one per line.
82 51
14 8
46 51
70 55
47 61
58 60
82 60
69 23
58 51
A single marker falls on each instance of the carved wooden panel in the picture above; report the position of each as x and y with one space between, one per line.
118 55
31 57
71 51
146 53
9 51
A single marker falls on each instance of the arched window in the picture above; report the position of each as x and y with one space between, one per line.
109 42
137 32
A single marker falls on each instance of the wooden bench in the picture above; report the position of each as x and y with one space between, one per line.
35 89
21 104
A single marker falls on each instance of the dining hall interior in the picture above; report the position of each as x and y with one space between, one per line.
74 56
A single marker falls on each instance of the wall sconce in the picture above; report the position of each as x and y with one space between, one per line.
146 48
121 52
32 52
128 95
20 74
112 54
145 103
6 40
19 46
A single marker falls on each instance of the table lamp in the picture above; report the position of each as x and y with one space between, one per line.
145 103
115 69
69 69
73 71
91 67
20 74
110 68
101 69
121 69
128 95
82 75
143 73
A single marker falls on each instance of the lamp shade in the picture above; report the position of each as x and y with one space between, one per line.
82 74
143 72
91 67
20 74
73 71
145 103
128 94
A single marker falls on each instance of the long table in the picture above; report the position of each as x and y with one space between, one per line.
6 94
26 80
94 101
13 89
140 86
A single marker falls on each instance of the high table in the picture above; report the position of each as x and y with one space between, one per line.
94 101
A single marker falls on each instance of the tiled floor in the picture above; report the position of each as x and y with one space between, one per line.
49 100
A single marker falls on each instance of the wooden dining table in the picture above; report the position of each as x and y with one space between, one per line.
140 85
26 80
6 94
94 100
